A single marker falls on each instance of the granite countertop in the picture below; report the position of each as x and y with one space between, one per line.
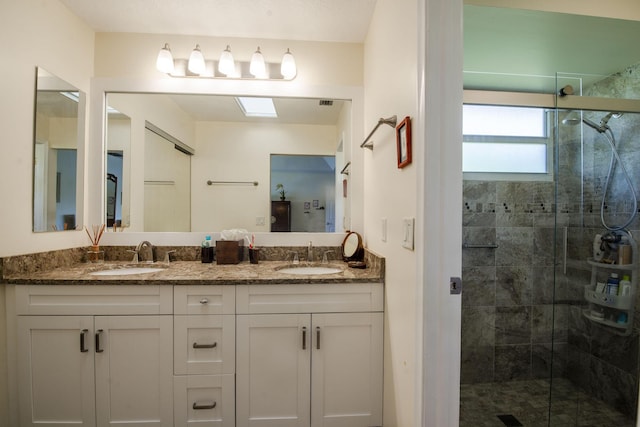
193 273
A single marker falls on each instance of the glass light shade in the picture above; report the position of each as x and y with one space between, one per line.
226 65
196 61
164 63
257 68
288 66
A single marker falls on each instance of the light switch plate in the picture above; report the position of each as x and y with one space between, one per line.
407 233
259 220
383 229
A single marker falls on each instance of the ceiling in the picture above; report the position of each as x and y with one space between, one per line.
515 49
310 20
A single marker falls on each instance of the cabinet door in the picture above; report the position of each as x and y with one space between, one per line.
55 375
272 370
346 377
134 371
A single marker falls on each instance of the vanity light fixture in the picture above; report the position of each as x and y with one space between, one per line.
164 62
288 66
196 61
226 67
258 68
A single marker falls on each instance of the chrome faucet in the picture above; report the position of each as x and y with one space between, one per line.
310 252
144 252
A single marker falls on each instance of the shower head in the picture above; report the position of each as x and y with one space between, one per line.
574 118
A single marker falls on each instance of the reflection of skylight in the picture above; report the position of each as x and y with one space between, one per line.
257 107
74 96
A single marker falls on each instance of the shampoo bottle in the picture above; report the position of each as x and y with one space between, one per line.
625 286
613 284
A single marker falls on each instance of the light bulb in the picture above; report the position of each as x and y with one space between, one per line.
164 63
257 67
196 61
288 67
226 65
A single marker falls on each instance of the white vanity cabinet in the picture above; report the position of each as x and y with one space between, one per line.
309 355
204 355
94 355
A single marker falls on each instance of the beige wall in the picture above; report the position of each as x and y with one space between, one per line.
45 34
391 89
238 152
126 55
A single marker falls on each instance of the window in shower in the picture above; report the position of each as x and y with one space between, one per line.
506 143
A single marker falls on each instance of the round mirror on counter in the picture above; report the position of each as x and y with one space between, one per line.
352 249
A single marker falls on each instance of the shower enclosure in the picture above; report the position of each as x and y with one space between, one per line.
545 341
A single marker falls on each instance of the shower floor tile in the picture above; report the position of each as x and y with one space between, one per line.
528 402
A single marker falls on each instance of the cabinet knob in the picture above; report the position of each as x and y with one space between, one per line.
204 301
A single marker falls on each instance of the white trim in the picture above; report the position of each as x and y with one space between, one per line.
439 193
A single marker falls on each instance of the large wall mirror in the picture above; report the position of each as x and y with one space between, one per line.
58 134
206 162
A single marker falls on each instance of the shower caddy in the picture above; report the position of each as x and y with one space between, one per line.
613 305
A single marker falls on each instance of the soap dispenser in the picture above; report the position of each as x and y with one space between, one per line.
206 252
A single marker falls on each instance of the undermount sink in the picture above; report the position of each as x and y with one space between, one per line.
310 270
126 271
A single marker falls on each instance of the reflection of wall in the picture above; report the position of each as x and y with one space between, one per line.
219 207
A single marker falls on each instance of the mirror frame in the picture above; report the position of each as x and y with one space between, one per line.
102 86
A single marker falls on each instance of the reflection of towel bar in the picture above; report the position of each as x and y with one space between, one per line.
254 183
345 169
391 121
487 246
160 182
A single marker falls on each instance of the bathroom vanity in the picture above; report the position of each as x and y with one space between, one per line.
196 344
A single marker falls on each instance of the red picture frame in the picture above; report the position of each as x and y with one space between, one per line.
403 142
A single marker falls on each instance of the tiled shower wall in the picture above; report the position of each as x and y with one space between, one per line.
604 364
507 306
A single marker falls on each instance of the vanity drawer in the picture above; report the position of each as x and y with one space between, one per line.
93 299
204 344
203 299
309 298
204 400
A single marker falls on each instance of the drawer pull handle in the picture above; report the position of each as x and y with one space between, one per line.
304 337
196 345
209 406
83 333
98 349
204 301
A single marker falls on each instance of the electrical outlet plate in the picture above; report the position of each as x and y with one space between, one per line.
407 233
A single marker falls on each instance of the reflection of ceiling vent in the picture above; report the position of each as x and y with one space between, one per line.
326 102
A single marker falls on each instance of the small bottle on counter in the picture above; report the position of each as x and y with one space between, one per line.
206 252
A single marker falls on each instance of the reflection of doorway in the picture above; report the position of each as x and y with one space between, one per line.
40 186
309 182
167 185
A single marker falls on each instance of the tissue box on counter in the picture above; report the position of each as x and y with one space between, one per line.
229 251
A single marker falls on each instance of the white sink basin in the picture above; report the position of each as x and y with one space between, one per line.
308 271
126 271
